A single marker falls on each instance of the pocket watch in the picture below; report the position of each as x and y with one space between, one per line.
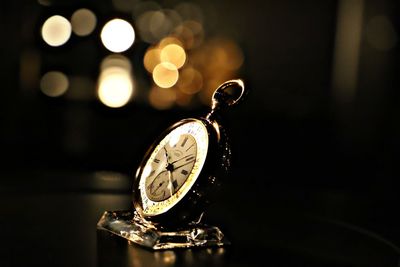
179 175
182 170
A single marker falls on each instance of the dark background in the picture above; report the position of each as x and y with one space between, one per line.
315 134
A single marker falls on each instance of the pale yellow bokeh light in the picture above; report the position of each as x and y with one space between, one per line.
54 83
174 54
83 22
162 98
116 60
115 87
117 35
165 75
56 30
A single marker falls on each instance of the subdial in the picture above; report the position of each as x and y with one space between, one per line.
159 188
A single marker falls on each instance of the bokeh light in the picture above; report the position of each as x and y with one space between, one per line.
116 60
83 22
115 85
191 33
225 53
180 58
151 58
54 83
56 30
170 40
183 99
160 24
117 35
184 64
115 88
165 75
190 81
174 54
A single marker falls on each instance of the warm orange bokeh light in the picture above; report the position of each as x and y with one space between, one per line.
190 81
151 58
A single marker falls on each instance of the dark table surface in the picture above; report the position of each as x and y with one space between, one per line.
48 218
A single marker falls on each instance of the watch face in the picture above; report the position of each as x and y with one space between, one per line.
173 167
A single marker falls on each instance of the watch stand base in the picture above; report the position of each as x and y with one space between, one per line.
129 225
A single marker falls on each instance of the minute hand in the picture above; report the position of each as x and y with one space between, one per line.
187 156
186 163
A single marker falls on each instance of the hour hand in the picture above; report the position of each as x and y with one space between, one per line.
166 153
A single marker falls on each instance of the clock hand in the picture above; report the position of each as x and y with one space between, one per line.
181 159
157 178
186 163
156 189
166 154
159 174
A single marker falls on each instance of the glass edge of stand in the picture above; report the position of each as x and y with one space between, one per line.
130 226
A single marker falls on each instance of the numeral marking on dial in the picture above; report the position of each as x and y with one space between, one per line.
184 172
190 158
156 160
174 184
184 141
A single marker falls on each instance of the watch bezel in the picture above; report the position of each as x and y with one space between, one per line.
191 205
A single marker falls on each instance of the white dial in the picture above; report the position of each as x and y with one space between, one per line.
173 167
